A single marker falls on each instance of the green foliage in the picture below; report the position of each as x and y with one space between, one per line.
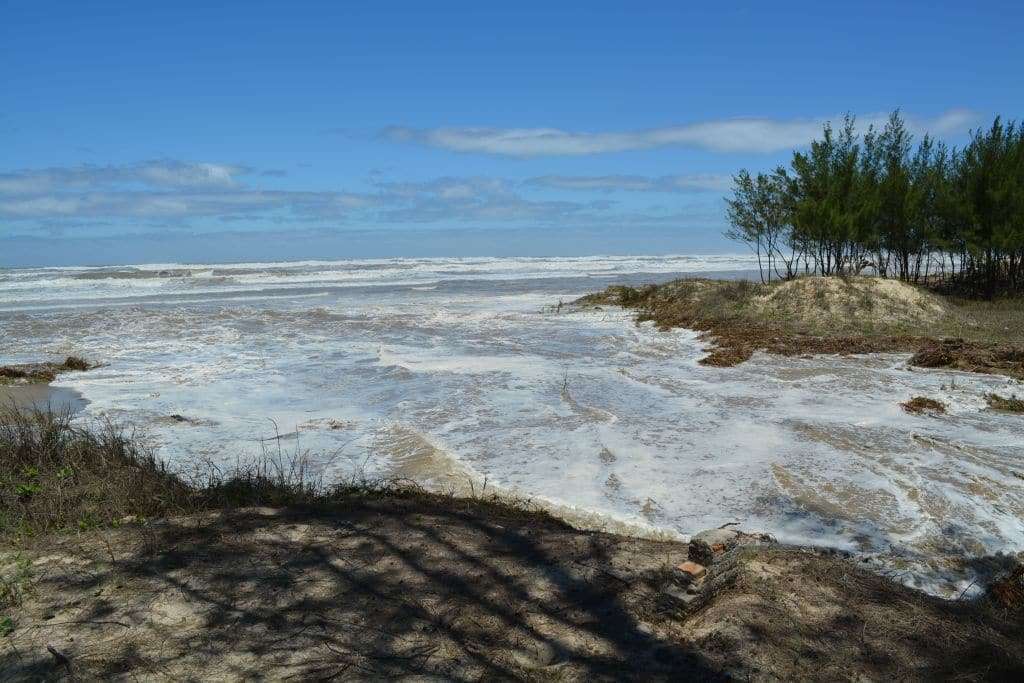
875 201
26 490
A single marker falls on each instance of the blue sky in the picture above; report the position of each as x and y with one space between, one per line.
189 132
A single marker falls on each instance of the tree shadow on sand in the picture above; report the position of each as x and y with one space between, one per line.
385 588
426 586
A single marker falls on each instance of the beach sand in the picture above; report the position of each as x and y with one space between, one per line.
41 396
415 586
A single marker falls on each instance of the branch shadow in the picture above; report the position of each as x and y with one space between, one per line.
379 589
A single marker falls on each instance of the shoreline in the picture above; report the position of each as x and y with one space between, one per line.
41 396
152 575
419 458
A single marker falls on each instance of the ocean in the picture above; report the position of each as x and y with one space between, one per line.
466 374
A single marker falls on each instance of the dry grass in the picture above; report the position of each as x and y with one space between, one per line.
59 474
1000 321
923 404
1008 592
989 358
834 315
56 475
76 363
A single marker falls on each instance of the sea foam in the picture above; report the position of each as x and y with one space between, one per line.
460 371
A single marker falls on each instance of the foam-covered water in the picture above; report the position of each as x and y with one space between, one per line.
452 371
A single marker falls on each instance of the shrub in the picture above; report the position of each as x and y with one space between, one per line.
77 363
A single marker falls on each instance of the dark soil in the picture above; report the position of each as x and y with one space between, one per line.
922 404
734 344
957 354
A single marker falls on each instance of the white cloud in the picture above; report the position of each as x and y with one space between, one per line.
725 135
182 205
175 193
164 173
161 189
471 199
631 183
180 174
448 187
172 194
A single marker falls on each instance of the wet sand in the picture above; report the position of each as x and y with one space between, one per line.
41 396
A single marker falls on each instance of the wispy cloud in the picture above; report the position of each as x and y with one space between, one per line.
634 183
163 173
181 205
472 199
156 196
173 193
725 135
160 189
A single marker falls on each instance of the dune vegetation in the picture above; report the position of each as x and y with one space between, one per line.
59 473
845 315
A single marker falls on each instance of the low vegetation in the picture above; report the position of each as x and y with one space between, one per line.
41 373
59 474
923 404
846 315
1006 405
56 475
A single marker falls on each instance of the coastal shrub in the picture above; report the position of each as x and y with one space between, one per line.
860 200
77 363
